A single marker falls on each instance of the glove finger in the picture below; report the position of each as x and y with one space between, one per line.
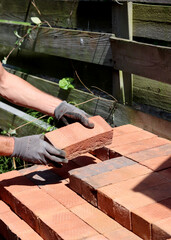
64 120
54 151
55 159
82 118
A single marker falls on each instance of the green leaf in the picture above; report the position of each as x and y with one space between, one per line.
71 86
36 20
65 83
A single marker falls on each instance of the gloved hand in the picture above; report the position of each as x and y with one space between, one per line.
66 112
36 150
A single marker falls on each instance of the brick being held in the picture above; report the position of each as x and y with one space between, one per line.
75 139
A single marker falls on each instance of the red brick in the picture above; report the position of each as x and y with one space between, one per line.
125 129
56 189
86 159
117 175
79 177
125 205
161 230
118 200
95 218
160 151
130 138
64 195
14 182
66 225
122 234
158 163
142 218
39 202
140 145
102 167
12 227
76 139
48 217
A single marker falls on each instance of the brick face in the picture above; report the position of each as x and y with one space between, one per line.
160 151
75 139
12 227
140 145
142 218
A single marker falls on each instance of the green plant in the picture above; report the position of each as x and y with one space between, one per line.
21 39
66 83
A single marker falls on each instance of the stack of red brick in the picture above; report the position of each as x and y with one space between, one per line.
124 193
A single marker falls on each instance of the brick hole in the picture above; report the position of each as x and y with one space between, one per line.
105 153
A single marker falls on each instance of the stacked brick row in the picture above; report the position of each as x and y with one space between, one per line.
121 191
135 188
41 200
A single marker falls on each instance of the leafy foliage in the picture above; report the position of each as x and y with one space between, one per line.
36 20
66 83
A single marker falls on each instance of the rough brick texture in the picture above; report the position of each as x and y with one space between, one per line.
134 190
79 177
160 151
142 218
75 139
14 228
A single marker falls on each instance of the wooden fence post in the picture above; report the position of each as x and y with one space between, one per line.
122 28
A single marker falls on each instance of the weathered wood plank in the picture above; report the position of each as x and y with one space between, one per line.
122 115
142 59
14 10
73 44
11 117
152 21
125 115
152 93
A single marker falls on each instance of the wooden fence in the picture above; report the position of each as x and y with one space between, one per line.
126 45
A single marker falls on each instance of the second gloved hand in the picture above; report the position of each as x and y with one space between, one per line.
36 150
66 112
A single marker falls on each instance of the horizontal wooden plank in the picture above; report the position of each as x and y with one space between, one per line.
152 30
11 117
142 59
152 21
125 115
14 10
84 46
152 93
153 13
122 115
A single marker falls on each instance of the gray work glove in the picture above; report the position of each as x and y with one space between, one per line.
66 112
36 150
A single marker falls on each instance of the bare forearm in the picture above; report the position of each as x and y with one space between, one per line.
6 146
20 92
